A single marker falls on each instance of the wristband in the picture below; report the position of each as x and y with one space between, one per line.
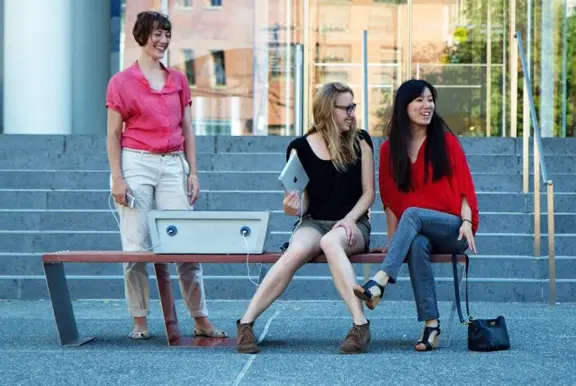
466 220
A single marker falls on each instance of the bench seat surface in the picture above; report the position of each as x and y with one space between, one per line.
372 257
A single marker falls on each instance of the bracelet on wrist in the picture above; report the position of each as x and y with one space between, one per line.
193 176
466 220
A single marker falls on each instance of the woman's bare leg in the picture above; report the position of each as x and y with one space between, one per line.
305 244
337 250
335 246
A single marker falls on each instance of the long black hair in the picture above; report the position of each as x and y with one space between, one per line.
399 134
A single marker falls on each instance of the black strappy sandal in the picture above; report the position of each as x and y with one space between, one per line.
363 293
425 340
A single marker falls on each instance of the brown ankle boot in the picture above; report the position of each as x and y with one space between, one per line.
245 339
357 339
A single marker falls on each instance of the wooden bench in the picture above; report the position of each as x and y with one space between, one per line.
64 314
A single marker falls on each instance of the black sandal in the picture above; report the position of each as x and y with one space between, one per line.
363 293
425 340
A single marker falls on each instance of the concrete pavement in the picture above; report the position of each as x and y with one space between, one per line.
299 347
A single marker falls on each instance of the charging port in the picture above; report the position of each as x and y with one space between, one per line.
171 230
245 231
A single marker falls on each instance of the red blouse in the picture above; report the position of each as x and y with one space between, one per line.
444 195
153 119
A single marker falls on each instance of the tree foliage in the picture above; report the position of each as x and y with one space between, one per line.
470 47
462 73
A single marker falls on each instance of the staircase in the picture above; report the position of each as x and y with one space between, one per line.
54 196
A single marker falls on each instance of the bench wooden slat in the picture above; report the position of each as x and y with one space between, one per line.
373 257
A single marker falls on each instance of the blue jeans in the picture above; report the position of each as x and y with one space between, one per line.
420 233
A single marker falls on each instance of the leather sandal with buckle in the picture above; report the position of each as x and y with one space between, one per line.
430 337
209 334
363 293
139 335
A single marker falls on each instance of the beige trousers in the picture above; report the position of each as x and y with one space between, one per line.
158 180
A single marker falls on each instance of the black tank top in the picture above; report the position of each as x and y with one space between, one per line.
332 194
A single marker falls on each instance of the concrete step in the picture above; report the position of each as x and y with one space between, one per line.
23 160
481 266
263 144
105 220
224 144
227 162
15 242
41 144
555 163
249 200
562 182
552 146
484 182
71 143
235 180
91 180
301 288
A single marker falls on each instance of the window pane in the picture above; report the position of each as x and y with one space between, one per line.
459 49
189 66
219 68
216 51
184 3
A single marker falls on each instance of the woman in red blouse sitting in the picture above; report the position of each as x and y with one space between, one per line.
428 195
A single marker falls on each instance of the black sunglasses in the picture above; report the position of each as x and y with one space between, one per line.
349 109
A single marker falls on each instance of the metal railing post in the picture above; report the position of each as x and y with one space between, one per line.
365 106
540 170
537 197
298 89
551 243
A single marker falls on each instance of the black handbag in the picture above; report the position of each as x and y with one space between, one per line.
483 334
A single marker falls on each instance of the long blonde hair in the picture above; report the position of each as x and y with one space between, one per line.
341 146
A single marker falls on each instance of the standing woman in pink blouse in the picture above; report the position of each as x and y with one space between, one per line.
152 156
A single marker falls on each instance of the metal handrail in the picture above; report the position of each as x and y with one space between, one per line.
539 168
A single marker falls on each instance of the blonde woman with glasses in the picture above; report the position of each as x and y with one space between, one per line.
333 210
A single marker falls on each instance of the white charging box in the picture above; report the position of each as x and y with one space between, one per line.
208 232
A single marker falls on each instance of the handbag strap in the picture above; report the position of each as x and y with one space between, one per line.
457 289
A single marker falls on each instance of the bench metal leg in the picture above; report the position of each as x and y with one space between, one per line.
62 306
167 303
453 310
175 339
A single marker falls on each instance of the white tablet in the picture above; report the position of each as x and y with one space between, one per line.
293 178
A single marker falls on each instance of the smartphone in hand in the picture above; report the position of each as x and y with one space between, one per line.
130 200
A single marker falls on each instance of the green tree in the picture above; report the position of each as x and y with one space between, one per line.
571 76
470 47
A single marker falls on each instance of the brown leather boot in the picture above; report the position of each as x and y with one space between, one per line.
245 339
357 340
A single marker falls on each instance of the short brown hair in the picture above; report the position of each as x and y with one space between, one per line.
146 23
